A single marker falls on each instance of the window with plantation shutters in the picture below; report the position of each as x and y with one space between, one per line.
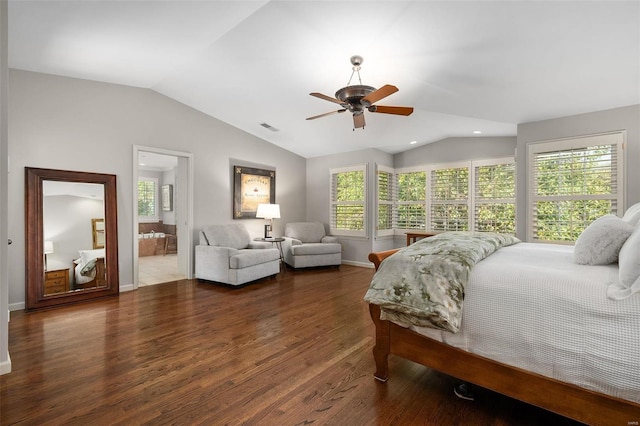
147 199
348 201
410 189
449 198
385 191
494 196
572 183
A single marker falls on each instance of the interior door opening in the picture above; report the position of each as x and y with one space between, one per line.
162 225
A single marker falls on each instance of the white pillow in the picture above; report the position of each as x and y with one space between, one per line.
601 242
632 215
87 255
629 265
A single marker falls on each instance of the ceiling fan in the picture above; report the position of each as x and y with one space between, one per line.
359 97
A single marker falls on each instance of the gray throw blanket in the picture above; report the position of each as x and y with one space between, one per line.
423 284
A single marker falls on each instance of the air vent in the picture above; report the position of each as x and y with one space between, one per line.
269 126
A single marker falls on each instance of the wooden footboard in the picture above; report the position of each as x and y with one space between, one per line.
550 394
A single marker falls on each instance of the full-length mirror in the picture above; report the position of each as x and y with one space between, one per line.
71 237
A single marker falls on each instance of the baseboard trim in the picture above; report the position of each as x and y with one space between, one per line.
128 287
360 264
5 366
16 306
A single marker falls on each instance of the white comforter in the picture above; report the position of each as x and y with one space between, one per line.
528 305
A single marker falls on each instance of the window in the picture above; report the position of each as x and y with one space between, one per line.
385 201
572 183
471 195
147 199
411 199
449 198
494 199
348 201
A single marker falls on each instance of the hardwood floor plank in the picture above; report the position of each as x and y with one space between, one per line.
295 349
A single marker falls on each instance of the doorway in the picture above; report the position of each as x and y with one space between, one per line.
162 222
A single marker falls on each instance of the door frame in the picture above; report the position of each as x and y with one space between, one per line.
188 208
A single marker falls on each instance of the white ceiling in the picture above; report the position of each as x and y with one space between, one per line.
463 66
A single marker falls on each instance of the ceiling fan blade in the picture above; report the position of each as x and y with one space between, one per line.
326 98
381 93
358 121
391 109
325 114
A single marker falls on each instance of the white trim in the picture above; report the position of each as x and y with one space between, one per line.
16 306
359 264
5 367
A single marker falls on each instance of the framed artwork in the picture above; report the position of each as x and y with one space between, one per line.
252 187
167 198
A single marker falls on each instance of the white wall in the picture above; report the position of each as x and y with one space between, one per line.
5 361
71 124
451 150
617 119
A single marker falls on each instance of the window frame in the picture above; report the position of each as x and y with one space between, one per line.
422 202
474 200
333 203
430 203
615 139
386 232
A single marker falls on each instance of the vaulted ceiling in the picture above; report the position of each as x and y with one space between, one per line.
464 66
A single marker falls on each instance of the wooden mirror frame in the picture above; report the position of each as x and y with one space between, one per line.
34 236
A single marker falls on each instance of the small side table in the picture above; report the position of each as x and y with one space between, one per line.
277 241
412 237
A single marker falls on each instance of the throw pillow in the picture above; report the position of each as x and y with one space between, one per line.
629 265
601 242
632 215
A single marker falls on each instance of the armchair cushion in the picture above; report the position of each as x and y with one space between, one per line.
306 232
234 236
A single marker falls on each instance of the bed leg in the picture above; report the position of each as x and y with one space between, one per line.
381 348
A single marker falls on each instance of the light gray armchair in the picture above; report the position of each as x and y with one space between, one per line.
306 245
227 255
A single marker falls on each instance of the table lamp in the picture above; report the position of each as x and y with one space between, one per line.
269 212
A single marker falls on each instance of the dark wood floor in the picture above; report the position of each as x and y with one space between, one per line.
291 350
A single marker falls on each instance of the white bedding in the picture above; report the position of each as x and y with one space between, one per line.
529 306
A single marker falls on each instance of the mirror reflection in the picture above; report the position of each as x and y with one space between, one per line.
74 236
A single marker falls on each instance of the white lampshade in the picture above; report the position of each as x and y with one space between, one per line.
268 211
48 247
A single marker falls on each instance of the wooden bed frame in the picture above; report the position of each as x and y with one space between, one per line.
562 398
100 278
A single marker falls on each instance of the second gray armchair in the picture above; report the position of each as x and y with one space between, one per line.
306 245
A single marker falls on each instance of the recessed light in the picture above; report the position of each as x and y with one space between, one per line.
413 142
477 132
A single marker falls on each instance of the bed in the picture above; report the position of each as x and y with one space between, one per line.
89 269
536 326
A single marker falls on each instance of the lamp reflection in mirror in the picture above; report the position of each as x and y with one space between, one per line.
269 212
48 249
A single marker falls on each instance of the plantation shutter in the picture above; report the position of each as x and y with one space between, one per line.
147 198
494 198
449 198
384 220
410 207
573 182
348 201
